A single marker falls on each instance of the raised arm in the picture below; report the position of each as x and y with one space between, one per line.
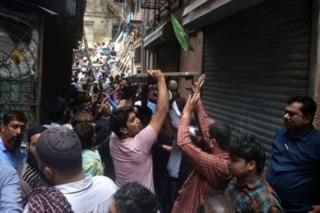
207 165
201 113
203 117
162 102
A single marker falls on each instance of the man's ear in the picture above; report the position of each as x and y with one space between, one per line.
124 130
212 143
251 165
2 127
48 173
307 118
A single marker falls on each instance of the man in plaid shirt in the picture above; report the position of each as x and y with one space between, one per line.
249 192
210 169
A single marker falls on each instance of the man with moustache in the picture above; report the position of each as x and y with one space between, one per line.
295 166
12 128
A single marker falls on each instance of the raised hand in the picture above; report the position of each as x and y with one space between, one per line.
191 102
104 106
156 74
198 84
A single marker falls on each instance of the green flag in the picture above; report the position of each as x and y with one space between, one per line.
181 35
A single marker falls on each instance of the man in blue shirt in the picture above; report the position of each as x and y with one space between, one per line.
12 128
10 195
295 167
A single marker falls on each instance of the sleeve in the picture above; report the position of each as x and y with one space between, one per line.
10 195
91 166
112 104
145 139
26 208
203 118
207 165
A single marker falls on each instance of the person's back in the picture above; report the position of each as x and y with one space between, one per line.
91 161
93 194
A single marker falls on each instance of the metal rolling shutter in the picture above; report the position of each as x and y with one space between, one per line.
254 61
168 58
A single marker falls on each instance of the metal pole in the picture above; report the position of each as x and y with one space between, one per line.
143 58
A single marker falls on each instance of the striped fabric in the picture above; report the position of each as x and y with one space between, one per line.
210 171
32 176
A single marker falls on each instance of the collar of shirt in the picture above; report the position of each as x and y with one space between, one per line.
251 185
52 125
303 138
2 146
74 187
223 155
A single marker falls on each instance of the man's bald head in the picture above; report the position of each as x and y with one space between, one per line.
216 202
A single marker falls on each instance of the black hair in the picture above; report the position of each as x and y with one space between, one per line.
85 132
78 117
221 132
33 131
215 200
144 114
309 106
119 118
14 115
134 198
54 108
249 149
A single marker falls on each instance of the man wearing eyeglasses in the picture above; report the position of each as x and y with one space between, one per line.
12 128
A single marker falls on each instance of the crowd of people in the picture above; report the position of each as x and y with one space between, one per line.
122 147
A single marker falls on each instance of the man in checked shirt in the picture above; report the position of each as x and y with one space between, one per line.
210 169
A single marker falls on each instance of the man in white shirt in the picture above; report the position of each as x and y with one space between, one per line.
60 161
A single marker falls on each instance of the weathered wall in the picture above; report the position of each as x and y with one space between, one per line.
99 21
191 61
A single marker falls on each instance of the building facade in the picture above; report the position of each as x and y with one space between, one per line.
255 55
102 20
34 36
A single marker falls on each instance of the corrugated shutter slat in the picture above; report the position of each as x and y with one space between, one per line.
254 61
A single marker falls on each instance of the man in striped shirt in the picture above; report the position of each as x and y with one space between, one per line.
210 169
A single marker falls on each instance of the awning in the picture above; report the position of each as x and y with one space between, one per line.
163 34
24 6
204 12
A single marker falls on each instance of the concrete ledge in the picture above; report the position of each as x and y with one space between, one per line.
164 33
204 12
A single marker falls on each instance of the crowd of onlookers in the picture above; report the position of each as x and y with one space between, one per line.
127 148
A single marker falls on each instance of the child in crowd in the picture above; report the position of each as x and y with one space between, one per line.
248 191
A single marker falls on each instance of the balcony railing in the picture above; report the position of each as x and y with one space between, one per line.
153 4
